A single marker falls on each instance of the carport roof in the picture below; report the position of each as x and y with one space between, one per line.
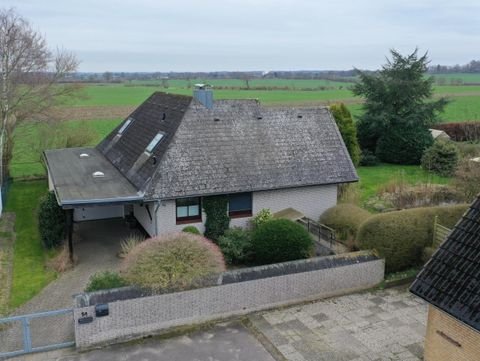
72 174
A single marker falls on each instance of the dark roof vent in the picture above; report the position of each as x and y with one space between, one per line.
259 118
299 116
164 116
216 119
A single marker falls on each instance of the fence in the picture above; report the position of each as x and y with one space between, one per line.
237 292
320 230
440 233
36 332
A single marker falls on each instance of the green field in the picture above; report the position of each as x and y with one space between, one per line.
29 272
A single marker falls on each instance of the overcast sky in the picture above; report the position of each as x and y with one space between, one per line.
196 35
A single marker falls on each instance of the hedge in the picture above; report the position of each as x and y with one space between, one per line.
460 132
51 221
401 236
345 219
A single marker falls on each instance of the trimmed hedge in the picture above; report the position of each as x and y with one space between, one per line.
51 221
217 222
345 219
401 236
281 240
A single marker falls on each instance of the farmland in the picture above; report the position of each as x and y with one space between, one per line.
104 105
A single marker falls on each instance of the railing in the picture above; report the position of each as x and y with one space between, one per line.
323 232
43 331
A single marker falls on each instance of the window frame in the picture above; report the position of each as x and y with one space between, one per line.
240 213
188 218
152 142
125 125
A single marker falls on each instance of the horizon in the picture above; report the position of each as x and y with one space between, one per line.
149 36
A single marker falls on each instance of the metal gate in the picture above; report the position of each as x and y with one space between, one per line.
43 331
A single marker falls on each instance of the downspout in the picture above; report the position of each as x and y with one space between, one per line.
156 218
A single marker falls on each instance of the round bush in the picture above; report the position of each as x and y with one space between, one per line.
401 236
441 158
264 215
280 240
403 145
191 229
104 281
236 245
51 221
345 219
172 262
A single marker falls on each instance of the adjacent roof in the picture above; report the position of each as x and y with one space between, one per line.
451 279
75 183
240 146
161 112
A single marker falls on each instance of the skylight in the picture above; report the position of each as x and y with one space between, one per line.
154 142
125 125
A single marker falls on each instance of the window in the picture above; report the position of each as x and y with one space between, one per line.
189 210
125 125
240 205
154 142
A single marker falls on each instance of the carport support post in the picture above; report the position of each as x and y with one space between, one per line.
69 215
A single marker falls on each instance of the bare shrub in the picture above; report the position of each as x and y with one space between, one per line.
130 243
348 193
172 262
467 179
61 262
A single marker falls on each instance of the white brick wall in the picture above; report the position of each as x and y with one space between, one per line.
144 316
312 201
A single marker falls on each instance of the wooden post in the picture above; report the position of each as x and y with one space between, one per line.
69 214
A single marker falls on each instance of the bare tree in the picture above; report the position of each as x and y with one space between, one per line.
30 77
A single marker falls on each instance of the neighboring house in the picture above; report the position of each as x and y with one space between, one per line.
450 282
174 150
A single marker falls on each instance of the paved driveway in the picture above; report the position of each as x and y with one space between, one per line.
96 247
383 325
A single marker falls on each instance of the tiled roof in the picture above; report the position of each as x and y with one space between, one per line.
239 146
451 279
161 112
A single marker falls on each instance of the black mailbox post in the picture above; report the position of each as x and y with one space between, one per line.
101 310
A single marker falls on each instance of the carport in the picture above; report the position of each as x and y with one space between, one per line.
82 178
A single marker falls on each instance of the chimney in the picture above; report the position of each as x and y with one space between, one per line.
204 94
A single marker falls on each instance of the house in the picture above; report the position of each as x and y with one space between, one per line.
174 150
439 134
450 283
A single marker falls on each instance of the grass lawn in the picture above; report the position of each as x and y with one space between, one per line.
29 272
372 178
26 161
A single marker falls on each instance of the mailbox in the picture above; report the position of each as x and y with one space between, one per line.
101 310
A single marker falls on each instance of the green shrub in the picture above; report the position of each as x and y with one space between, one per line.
347 129
51 221
191 229
280 240
401 236
403 145
467 178
345 219
264 215
129 243
176 261
104 281
236 245
441 158
217 217
368 158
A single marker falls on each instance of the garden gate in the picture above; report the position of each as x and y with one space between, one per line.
43 331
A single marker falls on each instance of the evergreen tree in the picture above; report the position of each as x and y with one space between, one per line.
347 129
398 100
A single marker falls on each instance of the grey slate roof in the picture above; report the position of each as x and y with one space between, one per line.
240 146
147 122
451 279
75 184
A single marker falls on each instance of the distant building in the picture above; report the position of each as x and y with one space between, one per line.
439 134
